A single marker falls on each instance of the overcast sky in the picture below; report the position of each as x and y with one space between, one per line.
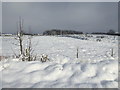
0 16
60 0
41 16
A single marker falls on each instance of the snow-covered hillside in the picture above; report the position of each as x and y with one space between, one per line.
95 66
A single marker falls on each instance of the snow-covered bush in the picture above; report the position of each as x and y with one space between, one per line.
98 40
44 58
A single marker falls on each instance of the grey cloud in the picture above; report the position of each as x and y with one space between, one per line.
82 16
60 0
0 16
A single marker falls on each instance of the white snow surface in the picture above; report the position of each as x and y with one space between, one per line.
95 68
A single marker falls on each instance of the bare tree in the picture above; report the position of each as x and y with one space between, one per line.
20 35
25 51
111 31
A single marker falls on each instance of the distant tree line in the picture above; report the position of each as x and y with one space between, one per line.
65 32
32 34
110 32
61 32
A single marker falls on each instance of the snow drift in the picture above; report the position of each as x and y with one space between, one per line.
95 68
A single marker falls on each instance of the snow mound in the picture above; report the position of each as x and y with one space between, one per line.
95 66
35 74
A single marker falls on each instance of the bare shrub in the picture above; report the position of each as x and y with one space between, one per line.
26 53
44 58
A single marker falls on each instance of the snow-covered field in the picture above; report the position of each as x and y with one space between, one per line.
95 67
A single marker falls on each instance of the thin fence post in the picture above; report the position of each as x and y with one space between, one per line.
77 53
112 52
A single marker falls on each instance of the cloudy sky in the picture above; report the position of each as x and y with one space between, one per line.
0 17
79 16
